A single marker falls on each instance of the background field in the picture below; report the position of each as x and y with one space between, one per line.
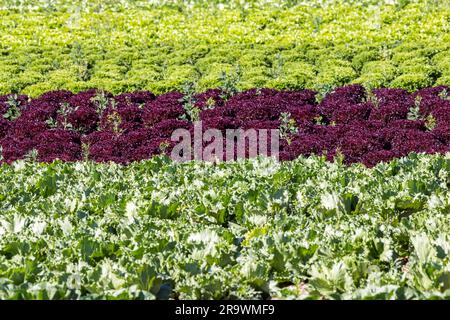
255 229
128 45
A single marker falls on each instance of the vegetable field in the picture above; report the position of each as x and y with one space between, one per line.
138 45
251 229
354 203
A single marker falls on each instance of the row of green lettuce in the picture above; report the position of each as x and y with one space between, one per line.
254 229
130 45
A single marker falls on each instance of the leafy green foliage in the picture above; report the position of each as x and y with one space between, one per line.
229 82
430 122
117 46
414 111
101 101
288 126
323 91
414 114
188 100
306 229
13 111
444 95
114 120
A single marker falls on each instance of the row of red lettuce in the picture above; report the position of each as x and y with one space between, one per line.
363 126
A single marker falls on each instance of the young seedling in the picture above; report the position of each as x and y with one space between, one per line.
319 121
414 114
277 67
192 113
52 123
82 64
288 126
430 122
32 156
65 110
14 108
372 98
164 146
323 91
444 95
339 157
115 120
101 102
230 82
414 111
85 151
210 104
317 21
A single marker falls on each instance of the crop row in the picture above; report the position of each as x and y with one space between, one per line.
158 48
362 126
250 230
